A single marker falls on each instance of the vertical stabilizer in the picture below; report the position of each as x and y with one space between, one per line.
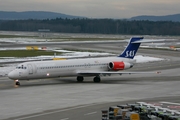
132 48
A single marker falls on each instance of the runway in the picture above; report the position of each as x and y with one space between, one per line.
65 99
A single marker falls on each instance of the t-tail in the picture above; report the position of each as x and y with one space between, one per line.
132 48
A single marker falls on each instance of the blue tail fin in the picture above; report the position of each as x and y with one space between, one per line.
132 47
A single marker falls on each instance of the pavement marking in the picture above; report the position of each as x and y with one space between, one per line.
64 119
170 103
14 113
32 116
174 107
2 85
38 108
90 113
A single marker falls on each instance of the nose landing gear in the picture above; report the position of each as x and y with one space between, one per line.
16 82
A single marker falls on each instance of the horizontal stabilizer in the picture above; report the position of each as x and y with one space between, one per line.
147 41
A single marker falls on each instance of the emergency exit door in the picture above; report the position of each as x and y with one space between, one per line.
30 68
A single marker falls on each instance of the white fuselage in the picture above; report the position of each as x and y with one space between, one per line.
61 68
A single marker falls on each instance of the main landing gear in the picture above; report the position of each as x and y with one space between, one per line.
96 79
80 78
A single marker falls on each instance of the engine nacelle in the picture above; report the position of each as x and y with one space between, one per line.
119 65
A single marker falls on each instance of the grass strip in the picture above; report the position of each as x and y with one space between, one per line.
25 53
82 39
15 36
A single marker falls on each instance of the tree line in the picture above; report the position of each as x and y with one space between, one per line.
98 26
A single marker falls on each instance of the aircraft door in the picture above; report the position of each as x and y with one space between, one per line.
87 65
30 68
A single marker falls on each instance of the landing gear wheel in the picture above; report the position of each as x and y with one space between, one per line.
97 79
17 83
80 78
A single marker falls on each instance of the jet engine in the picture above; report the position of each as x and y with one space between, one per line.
119 65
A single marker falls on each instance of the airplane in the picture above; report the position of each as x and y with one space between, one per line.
80 68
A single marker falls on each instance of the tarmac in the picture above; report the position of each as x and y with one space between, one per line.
65 99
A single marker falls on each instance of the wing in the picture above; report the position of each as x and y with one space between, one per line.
104 73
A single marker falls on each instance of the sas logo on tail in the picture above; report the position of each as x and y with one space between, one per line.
130 53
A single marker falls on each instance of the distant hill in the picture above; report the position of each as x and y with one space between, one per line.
174 18
4 15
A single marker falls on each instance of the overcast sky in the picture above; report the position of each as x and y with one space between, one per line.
96 8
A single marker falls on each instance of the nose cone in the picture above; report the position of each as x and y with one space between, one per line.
12 75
